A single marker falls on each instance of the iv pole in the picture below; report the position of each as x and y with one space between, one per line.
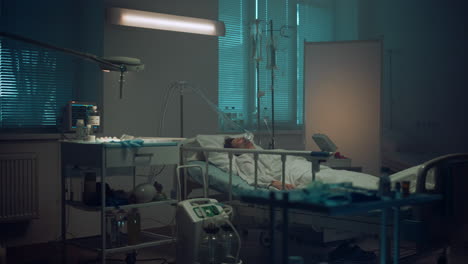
273 65
257 36
181 85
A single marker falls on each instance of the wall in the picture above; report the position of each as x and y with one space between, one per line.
424 76
168 57
46 228
342 98
346 19
423 84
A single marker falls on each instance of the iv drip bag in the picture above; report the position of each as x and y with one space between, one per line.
256 33
271 55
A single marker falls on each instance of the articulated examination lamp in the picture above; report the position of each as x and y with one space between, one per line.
120 64
144 19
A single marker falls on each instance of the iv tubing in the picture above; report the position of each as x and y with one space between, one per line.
178 84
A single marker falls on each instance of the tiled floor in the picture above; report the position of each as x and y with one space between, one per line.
253 253
53 253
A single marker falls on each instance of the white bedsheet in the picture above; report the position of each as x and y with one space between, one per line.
298 172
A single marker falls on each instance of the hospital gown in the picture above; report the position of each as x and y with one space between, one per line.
298 172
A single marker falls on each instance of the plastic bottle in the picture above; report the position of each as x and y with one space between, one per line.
405 188
121 219
133 227
208 245
90 136
228 245
111 229
80 129
93 118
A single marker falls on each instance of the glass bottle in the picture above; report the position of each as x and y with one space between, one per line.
93 118
228 244
208 245
111 229
133 227
384 185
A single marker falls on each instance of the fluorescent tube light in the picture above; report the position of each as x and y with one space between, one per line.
143 19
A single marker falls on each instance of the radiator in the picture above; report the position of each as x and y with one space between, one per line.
18 187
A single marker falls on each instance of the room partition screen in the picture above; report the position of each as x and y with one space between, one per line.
342 83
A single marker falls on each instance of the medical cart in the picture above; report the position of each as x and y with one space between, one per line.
100 157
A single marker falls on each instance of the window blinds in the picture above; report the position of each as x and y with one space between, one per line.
35 84
234 60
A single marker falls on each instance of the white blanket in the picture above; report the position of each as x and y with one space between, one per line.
298 172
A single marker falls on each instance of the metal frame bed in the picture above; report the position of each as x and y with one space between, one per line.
432 222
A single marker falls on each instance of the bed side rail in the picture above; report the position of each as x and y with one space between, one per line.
444 219
179 181
435 163
303 153
313 156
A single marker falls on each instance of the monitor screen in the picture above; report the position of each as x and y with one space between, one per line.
76 110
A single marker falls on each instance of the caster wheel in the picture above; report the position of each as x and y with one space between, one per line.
131 258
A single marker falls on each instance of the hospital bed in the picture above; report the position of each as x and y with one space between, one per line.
419 224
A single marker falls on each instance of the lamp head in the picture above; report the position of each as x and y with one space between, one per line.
125 64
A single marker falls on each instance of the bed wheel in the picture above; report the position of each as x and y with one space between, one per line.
442 259
265 239
131 258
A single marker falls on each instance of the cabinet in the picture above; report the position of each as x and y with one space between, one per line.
101 156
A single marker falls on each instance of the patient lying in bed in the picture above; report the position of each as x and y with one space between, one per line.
298 170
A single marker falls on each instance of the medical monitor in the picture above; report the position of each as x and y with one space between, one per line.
76 110
324 142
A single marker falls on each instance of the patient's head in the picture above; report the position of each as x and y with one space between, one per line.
239 142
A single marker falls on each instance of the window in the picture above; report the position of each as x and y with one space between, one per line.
234 76
35 84
241 84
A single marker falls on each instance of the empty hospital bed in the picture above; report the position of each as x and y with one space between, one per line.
421 224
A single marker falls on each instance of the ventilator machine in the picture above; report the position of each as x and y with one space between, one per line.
205 234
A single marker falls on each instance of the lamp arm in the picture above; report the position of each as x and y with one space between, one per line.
91 57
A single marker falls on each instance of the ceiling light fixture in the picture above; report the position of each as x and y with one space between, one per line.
144 19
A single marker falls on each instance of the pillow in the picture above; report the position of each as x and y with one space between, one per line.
214 141
219 159
191 155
